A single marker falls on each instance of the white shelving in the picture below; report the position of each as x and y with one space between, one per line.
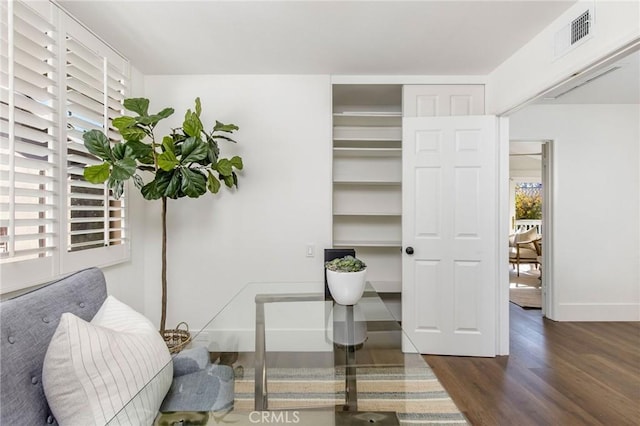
366 133
367 176
367 169
366 152
367 199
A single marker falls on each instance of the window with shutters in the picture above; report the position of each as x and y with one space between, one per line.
57 81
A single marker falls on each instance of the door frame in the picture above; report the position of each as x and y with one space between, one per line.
549 301
548 202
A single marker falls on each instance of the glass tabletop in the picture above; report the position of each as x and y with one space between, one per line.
298 357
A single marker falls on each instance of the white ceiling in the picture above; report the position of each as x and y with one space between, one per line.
316 37
525 157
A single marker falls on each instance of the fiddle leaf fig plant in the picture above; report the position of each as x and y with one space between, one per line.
184 163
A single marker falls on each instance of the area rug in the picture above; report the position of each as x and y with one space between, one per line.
526 297
418 399
530 277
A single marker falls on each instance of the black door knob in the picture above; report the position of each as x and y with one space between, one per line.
409 250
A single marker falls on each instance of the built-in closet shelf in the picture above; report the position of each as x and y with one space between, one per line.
366 152
367 182
367 133
369 140
367 213
366 113
367 144
360 243
367 178
378 119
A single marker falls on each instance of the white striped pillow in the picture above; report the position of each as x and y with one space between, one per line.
92 370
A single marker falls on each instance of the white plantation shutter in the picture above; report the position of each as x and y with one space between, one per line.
94 94
57 81
29 144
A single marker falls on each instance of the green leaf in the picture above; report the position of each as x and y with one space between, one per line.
123 122
157 187
137 180
155 118
168 144
224 167
229 128
117 187
137 105
97 174
235 179
146 120
150 191
193 149
193 183
228 180
224 137
198 107
213 184
237 162
97 143
214 151
192 125
139 149
173 189
123 169
134 133
166 112
167 161
119 150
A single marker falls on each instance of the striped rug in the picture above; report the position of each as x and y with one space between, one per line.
415 394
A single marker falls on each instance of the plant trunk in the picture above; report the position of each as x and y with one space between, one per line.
163 318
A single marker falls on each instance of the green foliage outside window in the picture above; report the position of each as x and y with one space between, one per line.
528 201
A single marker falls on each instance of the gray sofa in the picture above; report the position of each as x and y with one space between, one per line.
27 324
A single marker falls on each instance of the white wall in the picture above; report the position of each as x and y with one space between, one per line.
596 198
258 233
533 67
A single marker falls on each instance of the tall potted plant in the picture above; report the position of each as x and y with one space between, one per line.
184 163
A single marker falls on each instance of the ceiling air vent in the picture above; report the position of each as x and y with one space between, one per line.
574 33
580 27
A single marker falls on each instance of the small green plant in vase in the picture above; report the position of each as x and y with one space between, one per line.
346 279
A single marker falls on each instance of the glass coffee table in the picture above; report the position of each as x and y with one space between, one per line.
300 358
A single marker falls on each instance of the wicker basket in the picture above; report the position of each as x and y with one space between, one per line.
176 339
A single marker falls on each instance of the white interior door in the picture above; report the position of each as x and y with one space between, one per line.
450 223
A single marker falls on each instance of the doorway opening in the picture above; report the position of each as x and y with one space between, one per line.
529 196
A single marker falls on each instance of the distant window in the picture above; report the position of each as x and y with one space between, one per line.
529 200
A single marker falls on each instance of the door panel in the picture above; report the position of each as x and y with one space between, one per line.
438 100
427 202
450 219
426 302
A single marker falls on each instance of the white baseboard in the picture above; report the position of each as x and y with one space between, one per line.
598 312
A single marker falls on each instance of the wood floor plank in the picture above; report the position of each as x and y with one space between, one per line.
557 373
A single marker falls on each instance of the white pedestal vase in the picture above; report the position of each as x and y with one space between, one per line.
346 287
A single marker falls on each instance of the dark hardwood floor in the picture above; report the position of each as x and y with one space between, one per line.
557 373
